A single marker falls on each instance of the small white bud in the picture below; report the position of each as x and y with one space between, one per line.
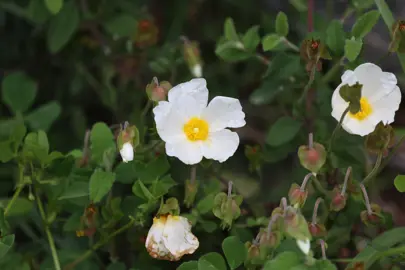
197 71
127 152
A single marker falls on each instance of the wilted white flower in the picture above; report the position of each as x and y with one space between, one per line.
127 152
192 130
304 245
170 238
380 99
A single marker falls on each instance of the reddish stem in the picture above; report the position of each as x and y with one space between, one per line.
310 15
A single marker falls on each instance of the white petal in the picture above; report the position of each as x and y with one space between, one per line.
170 125
349 78
197 88
177 237
384 109
220 145
197 71
223 112
187 106
154 241
127 152
186 151
305 246
161 111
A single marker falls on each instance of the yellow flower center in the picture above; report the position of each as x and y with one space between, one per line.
196 129
365 110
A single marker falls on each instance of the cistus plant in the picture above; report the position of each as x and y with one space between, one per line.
150 135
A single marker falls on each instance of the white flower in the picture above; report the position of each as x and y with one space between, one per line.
304 245
170 238
197 70
191 129
127 152
380 99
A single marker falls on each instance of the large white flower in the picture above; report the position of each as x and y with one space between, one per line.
170 238
192 130
380 99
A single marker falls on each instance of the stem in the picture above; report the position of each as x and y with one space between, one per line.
310 82
348 173
319 186
366 199
15 196
146 109
323 248
311 140
272 220
230 184
98 245
48 233
346 15
374 171
193 174
283 202
315 212
310 18
392 153
339 125
262 59
305 181
290 45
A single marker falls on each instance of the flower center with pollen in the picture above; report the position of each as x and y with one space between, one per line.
196 129
365 110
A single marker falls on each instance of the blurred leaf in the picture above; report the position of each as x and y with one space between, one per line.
206 204
365 23
271 41
352 48
190 265
73 222
126 173
399 183
300 5
141 191
285 260
117 266
251 38
102 141
100 184
283 131
335 38
62 27
21 206
324 265
212 261
4 226
231 51
235 251
230 31
122 25
37 11
282 24
362 4
44 116
5 244
36 145
18 91
160 187
6 153
54 6
155 169
75 190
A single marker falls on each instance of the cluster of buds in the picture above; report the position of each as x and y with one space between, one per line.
192 57
146 34
312 156
312 51
127 141
227 207
88 222
157 91
398 37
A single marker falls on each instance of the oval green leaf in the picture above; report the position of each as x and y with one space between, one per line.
212 261
235 251
283 131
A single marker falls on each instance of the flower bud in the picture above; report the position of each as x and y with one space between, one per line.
127 140
313 158
170 207
127 152
297 196
338 200
295 225
190 192
374 218
158 91
191 53
272 241
382 138
398 37
317 230
312 51
227 208
254 255
147 34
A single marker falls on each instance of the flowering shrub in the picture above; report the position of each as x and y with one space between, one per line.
129 145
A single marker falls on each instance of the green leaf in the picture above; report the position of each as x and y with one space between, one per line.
211 261
285 260
54 6
353 48
161 187
21 206
235 251
75 190
18 91
155 169
365 23
230 31
270 41
37 11
102 141
399 183
73 222
4 226
122 25
62 27
36 145
5 244
283 131
6 153
282 24
251 38
191 265
206 204
44 116
100 184
141 191
232 51
335 37
325 265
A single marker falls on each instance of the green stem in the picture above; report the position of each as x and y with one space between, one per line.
15 196
98 245
374 171
262 59
319 186
290 45
146 109
339 125
310 82
391 154
48 233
